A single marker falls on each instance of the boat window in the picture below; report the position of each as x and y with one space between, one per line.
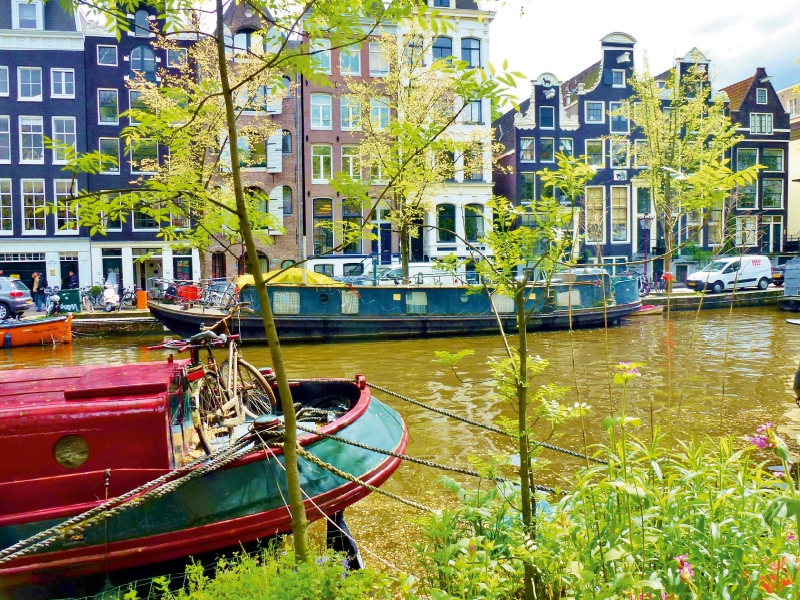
349 302
325 269
286 303
503 304
71 451
417 303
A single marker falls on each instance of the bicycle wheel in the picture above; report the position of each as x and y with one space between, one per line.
207 402
256 394
87 304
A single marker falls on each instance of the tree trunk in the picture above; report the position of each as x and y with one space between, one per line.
669 231
404 251
299 520
524 459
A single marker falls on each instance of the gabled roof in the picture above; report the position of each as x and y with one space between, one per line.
588 77
737 91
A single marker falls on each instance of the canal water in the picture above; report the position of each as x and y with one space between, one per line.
716 373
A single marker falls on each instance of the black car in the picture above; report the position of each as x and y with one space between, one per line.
778 272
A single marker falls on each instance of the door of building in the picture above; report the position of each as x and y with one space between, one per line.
112 272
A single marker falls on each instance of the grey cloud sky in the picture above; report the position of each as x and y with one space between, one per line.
563 37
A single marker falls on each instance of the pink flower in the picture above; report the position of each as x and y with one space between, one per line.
764 428
685 570
760 442
790 537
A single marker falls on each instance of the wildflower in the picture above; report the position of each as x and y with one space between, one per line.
790 537
321 560
685 570
760 442
764 428
668 277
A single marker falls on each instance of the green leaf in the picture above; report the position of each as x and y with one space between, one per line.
609 422
781 508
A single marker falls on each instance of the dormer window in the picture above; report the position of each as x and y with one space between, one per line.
247 41
761 95
27 15
141 23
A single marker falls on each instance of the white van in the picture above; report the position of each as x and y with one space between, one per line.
727 273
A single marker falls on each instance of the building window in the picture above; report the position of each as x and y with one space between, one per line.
27 15
595 215
471 52
566 146
619 120
761 123
29 83
442 48
143 221
66 207
64 134
107 107
351 114
144 156
176 57
109 155
62 83
5 139
772 193
379 113
473 164
761 95
446 223
792 105
323 222
618 78
287 200
321 111
141 23
286 142
441 3
473 222
33 203
771 233
378 63
351 216
772 159
715 227
746 229
595 112
527 187
321 163
473 112
6 221
639 150
526 150
350 60
595 154
746 158
747 196
252 155
321 55
619 154
31 140
218 265
4 86
619 214
351 162
547 150
135 102
547 117
143 63
107 56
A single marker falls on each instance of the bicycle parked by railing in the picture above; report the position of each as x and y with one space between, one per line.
224 394
128 297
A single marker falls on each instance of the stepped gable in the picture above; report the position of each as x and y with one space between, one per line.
738 91
588 77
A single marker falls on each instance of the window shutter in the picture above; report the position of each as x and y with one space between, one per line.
608 77
275 153
276 208
275 102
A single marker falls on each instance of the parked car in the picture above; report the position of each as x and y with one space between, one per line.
727 273
15 298
778 272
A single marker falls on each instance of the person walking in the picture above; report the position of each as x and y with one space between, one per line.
37 291
73 280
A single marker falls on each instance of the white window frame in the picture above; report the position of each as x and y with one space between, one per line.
182 55
602 164
7 134
97 56
131 120
614 72
793 104
376 70
759 91
627 164
381 104
116 92
41 123
20 97
769 221
353 53
7 196
350 108
532 150
322 56
130 157
611 119
56 196
769 122
104 218
53 73
119 166
314 157
7 92
541 146
74 134
553 110
318 107
783 160
15 15
561 140
627 239
135 228
636 164
783 194
739 229
602 239
355 159
22 183
602 112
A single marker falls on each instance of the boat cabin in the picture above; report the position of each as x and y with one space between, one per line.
69 433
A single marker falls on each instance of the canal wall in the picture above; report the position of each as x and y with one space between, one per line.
124 322
691 300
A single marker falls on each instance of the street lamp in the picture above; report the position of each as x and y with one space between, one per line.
645 220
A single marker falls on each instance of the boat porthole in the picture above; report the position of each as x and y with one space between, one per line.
464 298
71 451
323 298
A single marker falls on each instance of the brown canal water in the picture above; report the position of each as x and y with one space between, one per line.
716 373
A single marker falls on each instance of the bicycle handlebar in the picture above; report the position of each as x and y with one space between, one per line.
183 345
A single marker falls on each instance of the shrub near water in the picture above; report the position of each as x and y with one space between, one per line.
703 521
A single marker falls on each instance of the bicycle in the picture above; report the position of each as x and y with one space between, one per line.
128 296
224 394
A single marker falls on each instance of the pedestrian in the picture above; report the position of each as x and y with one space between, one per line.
37 291
73 280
